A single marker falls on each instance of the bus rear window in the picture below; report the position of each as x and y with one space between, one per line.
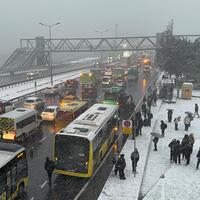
72 153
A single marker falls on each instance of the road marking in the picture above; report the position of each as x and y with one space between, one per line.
43 139
32 198
43 184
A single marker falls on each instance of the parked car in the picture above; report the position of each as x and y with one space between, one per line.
6 106
34 103
52 90
50 113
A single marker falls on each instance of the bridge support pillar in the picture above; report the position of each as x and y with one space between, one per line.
40 44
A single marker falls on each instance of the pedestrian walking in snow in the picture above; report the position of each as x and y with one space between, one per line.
121 164
149 102
155 141
196 110
49 167
135 158
149 118
169 115
186 122
172 149
163 126
144 110
114 160
198 159
139 126
176 121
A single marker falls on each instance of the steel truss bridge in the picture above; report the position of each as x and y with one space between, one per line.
36 51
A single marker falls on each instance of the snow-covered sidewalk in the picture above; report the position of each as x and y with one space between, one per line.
180 181
116 189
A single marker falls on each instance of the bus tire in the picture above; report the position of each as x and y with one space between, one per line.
21 190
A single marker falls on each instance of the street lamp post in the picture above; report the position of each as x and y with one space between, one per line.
50 51
101 35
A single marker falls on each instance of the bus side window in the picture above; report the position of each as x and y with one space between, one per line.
22 168
2 183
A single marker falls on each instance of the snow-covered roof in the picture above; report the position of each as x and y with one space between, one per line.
88 123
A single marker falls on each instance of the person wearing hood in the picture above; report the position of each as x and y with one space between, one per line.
135 158
121 165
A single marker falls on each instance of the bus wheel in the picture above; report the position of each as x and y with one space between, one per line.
21 191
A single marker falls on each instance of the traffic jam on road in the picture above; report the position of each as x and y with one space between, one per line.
72 125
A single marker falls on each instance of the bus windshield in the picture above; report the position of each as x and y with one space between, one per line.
71 153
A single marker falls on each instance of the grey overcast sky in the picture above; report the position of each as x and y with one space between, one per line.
80 18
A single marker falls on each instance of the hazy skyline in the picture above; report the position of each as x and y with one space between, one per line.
20 18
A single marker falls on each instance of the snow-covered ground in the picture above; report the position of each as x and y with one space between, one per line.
116 189
20 90
181 181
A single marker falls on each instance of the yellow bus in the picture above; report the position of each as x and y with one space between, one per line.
13 171
81 146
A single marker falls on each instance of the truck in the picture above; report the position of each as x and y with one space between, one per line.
71 86
118 77
88 86
132 73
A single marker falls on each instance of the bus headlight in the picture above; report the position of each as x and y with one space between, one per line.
115 129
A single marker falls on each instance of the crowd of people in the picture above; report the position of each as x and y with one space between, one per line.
180 150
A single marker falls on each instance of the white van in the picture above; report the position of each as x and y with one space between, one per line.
19 123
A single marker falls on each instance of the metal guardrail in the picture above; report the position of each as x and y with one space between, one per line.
6 86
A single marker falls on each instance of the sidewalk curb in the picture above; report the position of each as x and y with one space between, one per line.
148 152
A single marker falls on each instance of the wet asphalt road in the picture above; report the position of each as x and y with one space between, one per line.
68 187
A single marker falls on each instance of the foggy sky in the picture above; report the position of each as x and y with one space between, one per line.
80 18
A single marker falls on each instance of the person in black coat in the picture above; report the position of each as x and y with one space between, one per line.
184 143
163 126
121 164
188 152
169 115
149 117
49 167
198 159
135 158
177 152
172 148
196 110
155 141
144 110
139 126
